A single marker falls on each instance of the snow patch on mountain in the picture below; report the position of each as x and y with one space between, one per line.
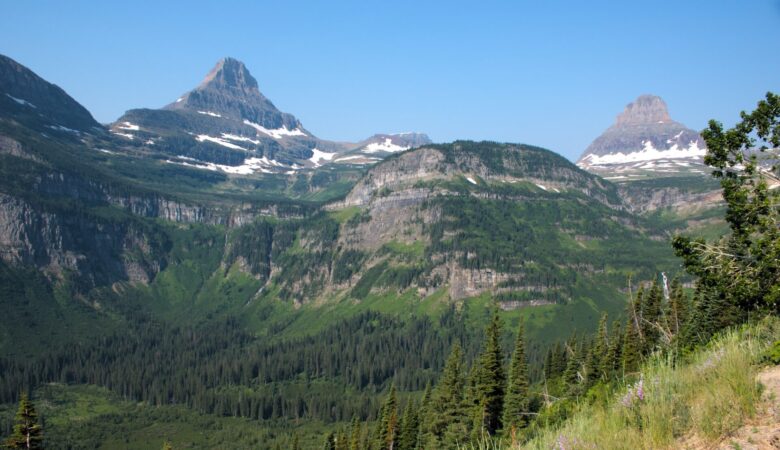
233 137
128 126
277 133
318 156
209 113
62 128
250 165
648 153
21 101
386 146
220 141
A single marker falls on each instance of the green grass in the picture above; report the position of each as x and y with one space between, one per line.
710 395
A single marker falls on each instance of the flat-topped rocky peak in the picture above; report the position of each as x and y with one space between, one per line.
646 109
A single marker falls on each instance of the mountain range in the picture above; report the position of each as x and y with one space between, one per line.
226 124
220 212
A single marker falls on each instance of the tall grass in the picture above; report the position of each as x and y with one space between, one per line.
710 395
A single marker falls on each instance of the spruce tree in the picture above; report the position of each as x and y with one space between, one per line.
612 362
410 428
296 445
572 376
632 347
354 435
388 423
517 400
599 352
330 442
490 380
446 425
27 433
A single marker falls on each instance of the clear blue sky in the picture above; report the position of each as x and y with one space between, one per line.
549 73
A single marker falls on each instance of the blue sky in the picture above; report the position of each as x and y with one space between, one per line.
549 73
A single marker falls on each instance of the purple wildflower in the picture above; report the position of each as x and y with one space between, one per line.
561 442
640 389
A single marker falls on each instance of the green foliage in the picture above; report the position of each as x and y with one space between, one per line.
490 380
743 269
28 432
517 401
447 419
772 355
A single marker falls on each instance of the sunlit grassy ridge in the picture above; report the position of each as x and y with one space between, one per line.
710 394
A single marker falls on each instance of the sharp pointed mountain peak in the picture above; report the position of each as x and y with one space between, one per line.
646 109
229 73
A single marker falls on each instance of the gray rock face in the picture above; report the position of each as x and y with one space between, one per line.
644 138
23 94
54 242
232 92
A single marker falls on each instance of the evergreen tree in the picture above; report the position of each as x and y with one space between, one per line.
27 433
330 442
572 376
410 428
677 308
741 270
651 314
387 430
490 381
632 347
600 351
354 435
296 445
612 362
342 441
446 425
517 400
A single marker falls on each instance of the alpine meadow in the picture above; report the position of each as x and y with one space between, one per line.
210 274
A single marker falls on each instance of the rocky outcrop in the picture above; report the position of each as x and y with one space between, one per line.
643 199
93 250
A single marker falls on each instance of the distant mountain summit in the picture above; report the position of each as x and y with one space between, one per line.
644 140
226 124
230 91
24 95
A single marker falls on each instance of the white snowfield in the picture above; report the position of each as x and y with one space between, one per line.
233 137
220 141
124 135
62 128
209 113
367 159
21 101
278 133
648 153
128 126
471 180
386 146
250 166
319 156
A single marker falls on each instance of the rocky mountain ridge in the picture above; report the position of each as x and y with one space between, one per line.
645 141
226 124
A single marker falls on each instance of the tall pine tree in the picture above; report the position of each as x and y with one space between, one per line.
516 401
447 417
490 381
28 433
